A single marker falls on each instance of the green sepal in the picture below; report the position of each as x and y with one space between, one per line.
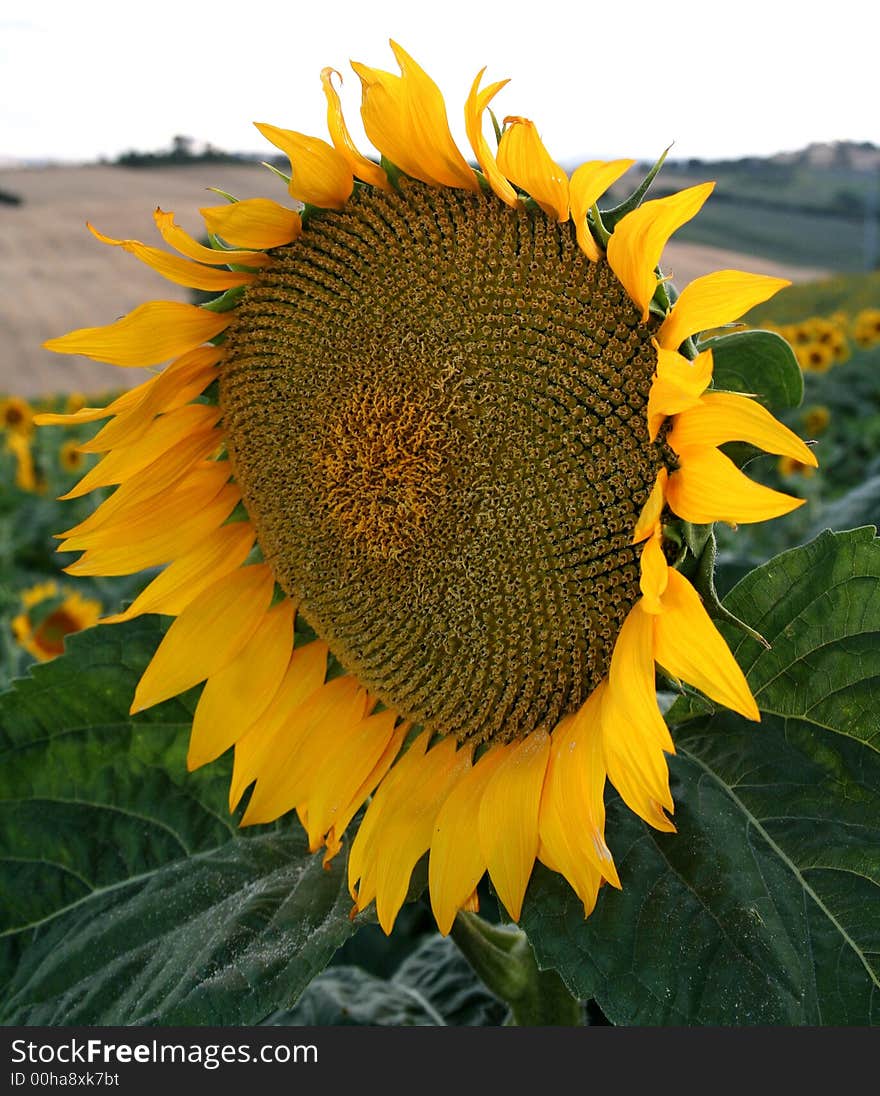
392 171
618 212
276 171
704 583
598 227
223 194
503 959
499 131
696 537
226 301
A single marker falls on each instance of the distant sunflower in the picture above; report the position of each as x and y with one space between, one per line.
70 457
16 415
49 615
455 415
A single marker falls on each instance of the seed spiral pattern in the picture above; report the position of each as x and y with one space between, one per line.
435 409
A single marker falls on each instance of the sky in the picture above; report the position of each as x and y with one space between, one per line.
82 79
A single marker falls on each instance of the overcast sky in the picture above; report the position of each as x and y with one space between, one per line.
80 79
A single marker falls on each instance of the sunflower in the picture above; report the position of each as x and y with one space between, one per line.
48 615
70 457
16 415
816 419
413 477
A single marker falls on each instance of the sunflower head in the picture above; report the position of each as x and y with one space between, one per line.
416 537
16 415
48 615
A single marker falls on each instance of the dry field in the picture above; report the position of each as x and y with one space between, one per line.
54 276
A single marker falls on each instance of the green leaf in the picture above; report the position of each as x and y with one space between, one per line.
764 908
819 607
759 363
129 895
433 986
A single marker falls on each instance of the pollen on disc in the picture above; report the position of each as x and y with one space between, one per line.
435 409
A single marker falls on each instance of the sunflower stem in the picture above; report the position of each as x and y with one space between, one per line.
503 959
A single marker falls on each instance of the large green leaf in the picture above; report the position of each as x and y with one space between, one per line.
129 895
760 363
764 908
434 985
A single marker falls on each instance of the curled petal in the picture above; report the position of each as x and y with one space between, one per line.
588 183
649 519
405 118
361 167
477 102
654 573
678 385
177 270
638 240
527 163
254 222
319 175
181 241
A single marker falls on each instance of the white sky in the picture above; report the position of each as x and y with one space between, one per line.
81 78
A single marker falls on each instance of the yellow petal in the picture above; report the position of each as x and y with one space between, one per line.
131 522
320 176
654 573
125 402
253 222
235 697
709 487
689 646
198 522
190 428
170 592
634 733
527 163
360 166
151 334
207 635
255 751
638 240
177 270
181 241
588 183
405 118
175 386
408 823
714 300
362 859
367 786
457 863
649 518
344 770
508 819
720 417
572 816
311 733
477 102
678 385
178 468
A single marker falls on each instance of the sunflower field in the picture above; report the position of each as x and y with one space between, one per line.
417 647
